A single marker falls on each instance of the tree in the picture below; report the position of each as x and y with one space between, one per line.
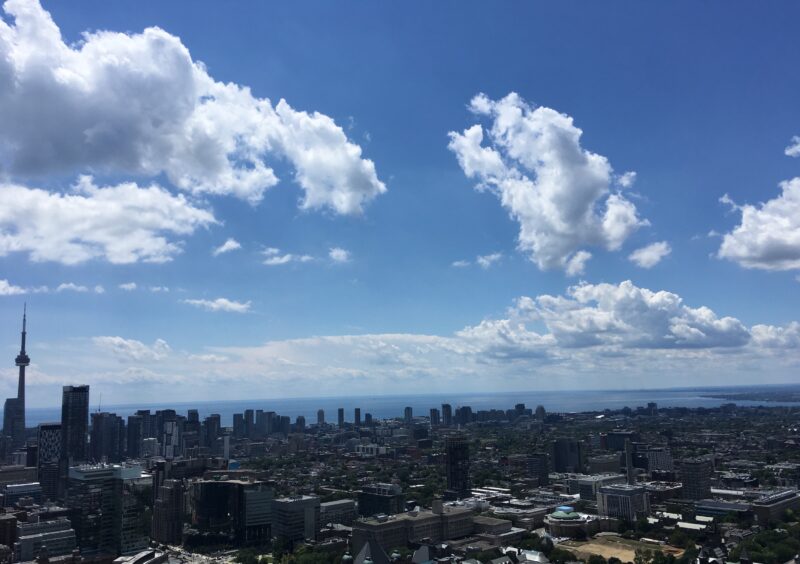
596 559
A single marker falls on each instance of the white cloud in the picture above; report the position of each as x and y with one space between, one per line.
133 350
576 264
627 179
274 257
138 103
460 263
220 304
487 261
122 224
337 254
128 286
793 149
9 289
159 289
768 236
71 287
558 192
651 255
99 289
226 247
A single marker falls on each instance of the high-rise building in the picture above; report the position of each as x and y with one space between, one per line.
249 423
376 499
168 513
368 419
340 414
320 417
300 424
106 503
540 413
696 478
74 423
357 417
457 466
135 436
49 454
659 458
531 466
447 414
239 508
567 455
295 518
435 419
408 415
623 501
107 437
14 409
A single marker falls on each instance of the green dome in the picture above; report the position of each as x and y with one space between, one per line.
564 516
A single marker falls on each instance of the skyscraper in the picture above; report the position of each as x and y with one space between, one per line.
447 414
696 477
14 410
408 415
74 423
107 438
357 417
320 417
341 417
457 460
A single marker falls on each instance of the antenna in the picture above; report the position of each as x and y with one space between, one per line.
99 403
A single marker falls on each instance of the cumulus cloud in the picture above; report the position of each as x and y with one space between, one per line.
9 289
651 255
793 149
274 257
337 254
220 304
558 192
132 350
122 224
627 179
487 261
138 103
226 247
71 287
768 236
128 286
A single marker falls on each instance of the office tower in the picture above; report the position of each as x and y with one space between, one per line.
531 466
652 408
341 417
193 416
106 503
368 419
171 444
106 439
629 472
14 410
285 424
74 423
357 417
300 424
447 414
212 429
273 422
320 417
237 508
435 419
615 440
57 535
249 423
168 513
192 429
49 453
135 436
295 518
261 423
696 478
659 458
457 461
567 455
381 499
540 413
148 423
623 501
408 415
519 409
238 426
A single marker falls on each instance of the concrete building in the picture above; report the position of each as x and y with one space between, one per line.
588 486
567 455
442 523
772 506
168 512
381 499
659 459
623 501
296 518
57 535
339 512
531 466
241 509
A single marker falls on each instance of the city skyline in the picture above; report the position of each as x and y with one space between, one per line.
228 213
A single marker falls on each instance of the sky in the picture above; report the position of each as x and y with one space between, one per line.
332 199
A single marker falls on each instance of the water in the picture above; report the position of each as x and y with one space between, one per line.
382 407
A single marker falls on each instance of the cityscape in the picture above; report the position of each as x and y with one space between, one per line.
381 282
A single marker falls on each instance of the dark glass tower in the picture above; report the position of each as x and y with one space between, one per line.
14 410
74 423
457 467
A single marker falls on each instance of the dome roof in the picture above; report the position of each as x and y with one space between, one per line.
564 515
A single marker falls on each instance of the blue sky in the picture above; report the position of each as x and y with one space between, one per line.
699 103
